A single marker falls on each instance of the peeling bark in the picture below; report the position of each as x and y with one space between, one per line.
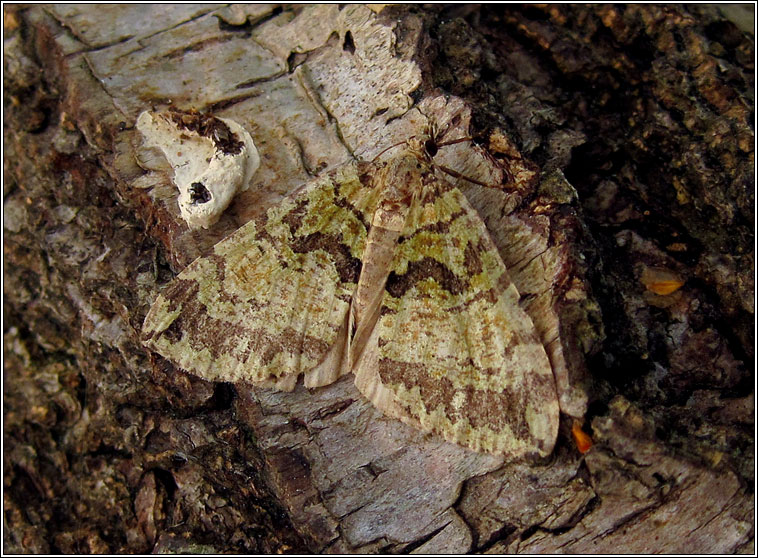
621 142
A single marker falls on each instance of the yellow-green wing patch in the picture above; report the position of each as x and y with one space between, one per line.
271 300
452 351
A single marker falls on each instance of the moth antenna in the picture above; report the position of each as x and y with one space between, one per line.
451 142
383 151
450 171
503 166
456 174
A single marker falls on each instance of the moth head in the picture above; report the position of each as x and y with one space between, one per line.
423 147
430 146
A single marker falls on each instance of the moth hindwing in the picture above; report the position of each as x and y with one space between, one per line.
379 269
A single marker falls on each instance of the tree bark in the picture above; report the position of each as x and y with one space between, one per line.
619 142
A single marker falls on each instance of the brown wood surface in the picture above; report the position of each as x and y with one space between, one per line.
621 139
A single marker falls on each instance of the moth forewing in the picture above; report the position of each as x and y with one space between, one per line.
271 300
451 351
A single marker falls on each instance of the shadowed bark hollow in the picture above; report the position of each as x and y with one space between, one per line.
620 140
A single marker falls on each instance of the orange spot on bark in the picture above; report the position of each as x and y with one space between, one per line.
661 281
581 439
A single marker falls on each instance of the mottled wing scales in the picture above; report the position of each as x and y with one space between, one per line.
452 351
271 301
420 307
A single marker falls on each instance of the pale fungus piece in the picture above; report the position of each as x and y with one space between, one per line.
213 158
379 269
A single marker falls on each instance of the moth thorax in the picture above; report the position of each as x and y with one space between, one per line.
400 176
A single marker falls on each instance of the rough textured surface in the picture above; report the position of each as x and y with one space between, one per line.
626 138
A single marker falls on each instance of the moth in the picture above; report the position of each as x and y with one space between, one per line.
380 269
